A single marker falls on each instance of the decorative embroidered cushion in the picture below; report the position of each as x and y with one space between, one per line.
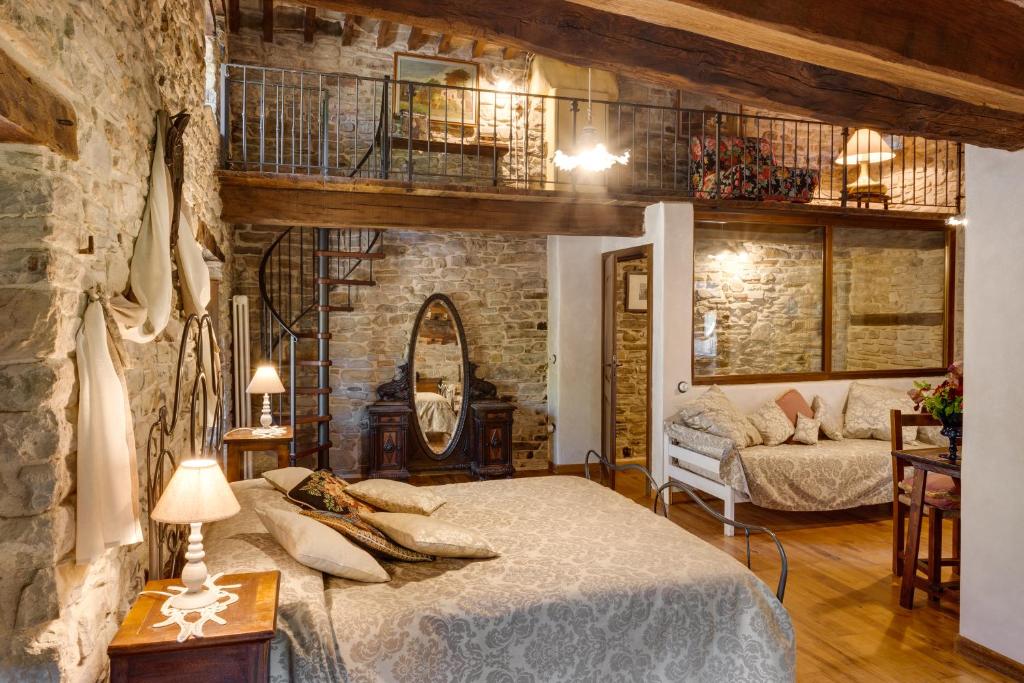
714 413
286 478
316 545
396 496
939 491
324 491
353 527
772 423
807 429
831 419
793 404
867 412
731 151
431 536
760 183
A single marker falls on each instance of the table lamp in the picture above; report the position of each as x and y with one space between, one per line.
265 381
197 493
865 147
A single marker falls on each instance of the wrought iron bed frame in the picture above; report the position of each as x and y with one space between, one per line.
607 466
166 542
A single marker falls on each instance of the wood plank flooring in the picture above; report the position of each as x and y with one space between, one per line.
841 596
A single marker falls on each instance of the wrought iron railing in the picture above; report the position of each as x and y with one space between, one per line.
292 121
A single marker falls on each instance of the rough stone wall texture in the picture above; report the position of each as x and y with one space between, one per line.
117 61
631 349
498 283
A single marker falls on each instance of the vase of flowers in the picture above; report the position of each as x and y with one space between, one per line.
945 403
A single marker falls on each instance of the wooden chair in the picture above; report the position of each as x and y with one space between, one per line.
937 507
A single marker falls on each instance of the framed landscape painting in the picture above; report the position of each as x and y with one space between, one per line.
444 102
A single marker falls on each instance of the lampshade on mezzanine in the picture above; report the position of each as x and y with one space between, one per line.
265 381
865 147
198 492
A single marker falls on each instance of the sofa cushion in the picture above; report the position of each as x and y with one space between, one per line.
773 424
807 429
714 413
793 404
829 416
867 412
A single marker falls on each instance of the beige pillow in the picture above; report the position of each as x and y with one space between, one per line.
867 412
714 413
772 423
320 547
286 478
807 429
431 536
831 419
396 496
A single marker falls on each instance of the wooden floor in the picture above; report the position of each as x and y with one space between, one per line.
843 601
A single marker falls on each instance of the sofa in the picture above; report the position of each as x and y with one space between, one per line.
745 168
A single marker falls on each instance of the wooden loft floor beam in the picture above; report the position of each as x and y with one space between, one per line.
289 200
33 114
385 34
309 25
680 59
417 39
268 21
348 27
967 51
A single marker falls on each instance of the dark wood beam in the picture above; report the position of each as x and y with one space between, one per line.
357 203
510 53
385 34
478 48
967 51
417 39
681 59
444 46
347 27
268 21
309 25
234 16
32 113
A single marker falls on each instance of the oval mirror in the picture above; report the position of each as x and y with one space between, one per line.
439 364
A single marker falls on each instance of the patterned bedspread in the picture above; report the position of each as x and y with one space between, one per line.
435 413
590 587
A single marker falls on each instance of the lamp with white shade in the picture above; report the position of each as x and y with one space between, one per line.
265 381
865 147
197 493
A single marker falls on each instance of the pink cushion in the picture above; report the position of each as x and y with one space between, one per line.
792 403
939 491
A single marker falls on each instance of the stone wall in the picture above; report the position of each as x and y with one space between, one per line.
499 286
117 61
631 351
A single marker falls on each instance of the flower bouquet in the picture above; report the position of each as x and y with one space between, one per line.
945 403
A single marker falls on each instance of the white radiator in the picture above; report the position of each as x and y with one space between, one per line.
240 350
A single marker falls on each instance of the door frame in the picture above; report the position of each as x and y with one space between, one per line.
607 421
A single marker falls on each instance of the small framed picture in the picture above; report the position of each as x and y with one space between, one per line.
636 292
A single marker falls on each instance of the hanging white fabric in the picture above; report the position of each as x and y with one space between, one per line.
108 481
143 318
194 275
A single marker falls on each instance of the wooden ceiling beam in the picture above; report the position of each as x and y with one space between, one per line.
347 27
510 53
966 51
385 34
268 21
417 39
680 59
309 25
357 203
234 16
444 45
33 114
479 46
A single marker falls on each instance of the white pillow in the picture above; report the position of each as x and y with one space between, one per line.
395 496
772 423
807 429
286 478
429 535
831 419
320 547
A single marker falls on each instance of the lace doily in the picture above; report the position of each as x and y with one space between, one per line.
194 628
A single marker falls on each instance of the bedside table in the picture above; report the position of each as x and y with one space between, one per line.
237 652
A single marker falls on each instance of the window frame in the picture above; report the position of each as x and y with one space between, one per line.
829 221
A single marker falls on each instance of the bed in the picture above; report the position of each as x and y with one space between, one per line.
615 594
435 413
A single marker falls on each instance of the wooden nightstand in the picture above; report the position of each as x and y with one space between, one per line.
236 652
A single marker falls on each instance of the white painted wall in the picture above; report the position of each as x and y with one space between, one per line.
992 600
574 328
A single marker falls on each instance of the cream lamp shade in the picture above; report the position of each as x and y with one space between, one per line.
265 381
865 147
197 493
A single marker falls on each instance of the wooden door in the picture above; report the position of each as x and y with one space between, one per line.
609 363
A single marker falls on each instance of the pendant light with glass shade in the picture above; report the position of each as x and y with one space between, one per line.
590 154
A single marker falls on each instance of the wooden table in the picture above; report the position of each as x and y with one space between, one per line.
236 652
241 440
923 460
865 198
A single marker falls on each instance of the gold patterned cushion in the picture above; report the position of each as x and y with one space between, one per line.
285 479
772 423
396 496
323 491
317 546
429 535
353 527
714 413
831 419
867 412
807 429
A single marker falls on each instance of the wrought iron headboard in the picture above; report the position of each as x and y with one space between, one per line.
198 339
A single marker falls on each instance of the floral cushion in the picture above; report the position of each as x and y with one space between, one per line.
353 527
323 491
731 151
867 412
775 183
714 413
831 419
807 429
772 423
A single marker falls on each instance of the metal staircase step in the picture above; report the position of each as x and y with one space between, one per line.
315 363
345 281
312 419
316 391
311 450
311 334
361 255
335 309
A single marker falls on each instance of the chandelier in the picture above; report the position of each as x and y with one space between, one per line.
591 155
